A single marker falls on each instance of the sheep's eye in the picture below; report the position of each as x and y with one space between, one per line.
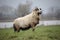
40 9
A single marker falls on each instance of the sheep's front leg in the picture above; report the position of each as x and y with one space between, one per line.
33 27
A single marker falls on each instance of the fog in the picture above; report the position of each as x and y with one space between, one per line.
43 23
12 9
51 9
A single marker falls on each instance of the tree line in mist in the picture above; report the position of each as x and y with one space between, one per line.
9 13
53 13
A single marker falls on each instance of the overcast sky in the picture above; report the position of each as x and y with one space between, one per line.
44 4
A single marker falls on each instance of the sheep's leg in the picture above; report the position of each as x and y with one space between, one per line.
17 28
14 28
33 27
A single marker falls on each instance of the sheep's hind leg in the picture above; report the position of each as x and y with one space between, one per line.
14 28
17 28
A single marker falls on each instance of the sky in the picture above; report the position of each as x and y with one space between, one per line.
44 4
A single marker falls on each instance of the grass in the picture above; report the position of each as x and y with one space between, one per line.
40 33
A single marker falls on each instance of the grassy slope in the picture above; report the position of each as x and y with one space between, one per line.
41 33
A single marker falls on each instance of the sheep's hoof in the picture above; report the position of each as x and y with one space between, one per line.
33 30
18 31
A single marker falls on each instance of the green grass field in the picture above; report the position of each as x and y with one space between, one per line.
40 33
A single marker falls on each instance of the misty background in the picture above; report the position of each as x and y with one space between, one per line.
11 9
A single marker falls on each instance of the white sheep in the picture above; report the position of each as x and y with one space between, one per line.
28 21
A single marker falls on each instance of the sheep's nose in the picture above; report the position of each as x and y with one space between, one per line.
40 12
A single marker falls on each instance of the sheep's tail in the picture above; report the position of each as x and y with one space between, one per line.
14 27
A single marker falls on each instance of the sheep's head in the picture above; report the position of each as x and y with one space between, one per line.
37 11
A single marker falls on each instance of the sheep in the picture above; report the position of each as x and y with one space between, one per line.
28 21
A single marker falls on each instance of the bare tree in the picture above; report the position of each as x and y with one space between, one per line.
23 9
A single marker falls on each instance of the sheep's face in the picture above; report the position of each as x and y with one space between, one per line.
38 11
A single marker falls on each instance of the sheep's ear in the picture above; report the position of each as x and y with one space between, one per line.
35 9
